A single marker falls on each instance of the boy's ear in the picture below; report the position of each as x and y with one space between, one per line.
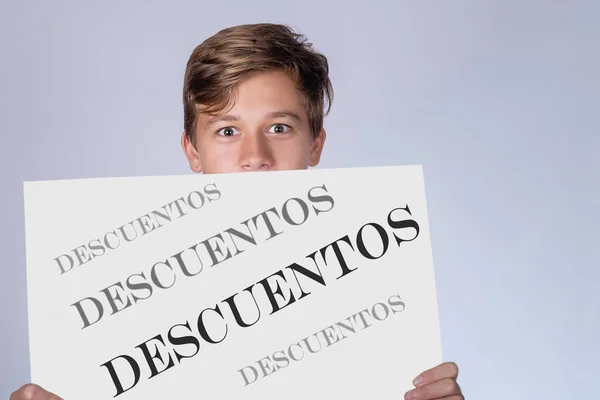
191 153
316 148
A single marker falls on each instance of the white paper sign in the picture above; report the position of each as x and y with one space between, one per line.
293 284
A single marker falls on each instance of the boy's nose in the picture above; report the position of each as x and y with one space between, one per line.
255 154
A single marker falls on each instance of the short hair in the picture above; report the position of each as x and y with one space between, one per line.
222 61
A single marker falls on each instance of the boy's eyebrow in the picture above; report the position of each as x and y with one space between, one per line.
233 118
285 113
222 118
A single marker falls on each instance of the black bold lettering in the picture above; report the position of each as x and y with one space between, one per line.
402 224
115 378
338 254
156 356
182 340
202 326
360 243
317 277
236 313
271 294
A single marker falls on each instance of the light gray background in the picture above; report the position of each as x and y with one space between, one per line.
498 99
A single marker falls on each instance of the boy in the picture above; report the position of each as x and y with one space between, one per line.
254 100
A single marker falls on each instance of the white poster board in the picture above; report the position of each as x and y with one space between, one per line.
292 284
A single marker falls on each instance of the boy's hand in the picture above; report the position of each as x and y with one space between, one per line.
33 392
437 383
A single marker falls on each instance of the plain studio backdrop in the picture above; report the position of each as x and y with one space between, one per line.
499 100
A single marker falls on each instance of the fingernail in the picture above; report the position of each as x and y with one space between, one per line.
418 380
411 395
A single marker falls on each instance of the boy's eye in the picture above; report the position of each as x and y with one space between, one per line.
279 128
227 131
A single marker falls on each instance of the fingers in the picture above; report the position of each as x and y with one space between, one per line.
448 370
446 389
437 383
33 392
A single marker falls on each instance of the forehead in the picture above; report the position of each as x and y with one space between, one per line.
267 93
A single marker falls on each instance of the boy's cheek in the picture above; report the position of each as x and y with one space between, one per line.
215 160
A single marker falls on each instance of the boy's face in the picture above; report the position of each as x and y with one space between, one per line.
266 130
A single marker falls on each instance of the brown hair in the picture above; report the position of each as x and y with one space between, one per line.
221 62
